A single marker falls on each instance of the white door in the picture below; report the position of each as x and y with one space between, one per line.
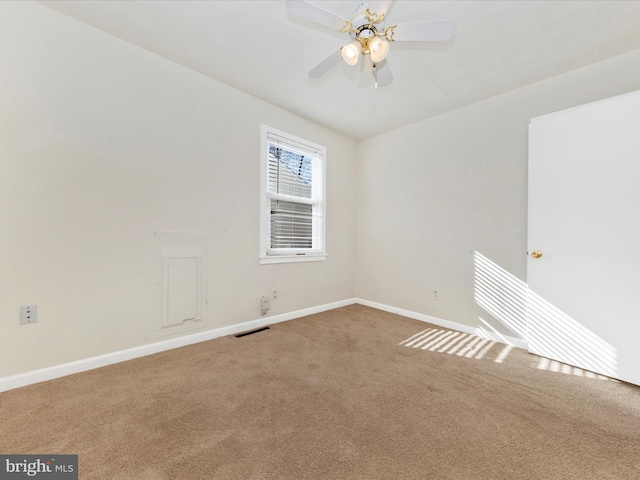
584 219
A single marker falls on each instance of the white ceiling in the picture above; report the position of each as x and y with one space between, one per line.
257 47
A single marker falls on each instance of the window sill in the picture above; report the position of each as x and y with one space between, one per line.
292 258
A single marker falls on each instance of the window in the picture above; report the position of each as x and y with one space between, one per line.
292 198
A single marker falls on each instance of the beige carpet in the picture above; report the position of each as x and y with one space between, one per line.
348 394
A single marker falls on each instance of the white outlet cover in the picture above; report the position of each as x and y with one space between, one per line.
28 314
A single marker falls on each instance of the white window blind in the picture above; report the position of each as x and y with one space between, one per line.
294 196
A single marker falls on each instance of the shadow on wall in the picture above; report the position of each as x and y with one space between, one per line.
549 331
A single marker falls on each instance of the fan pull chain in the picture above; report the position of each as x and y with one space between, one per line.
375 74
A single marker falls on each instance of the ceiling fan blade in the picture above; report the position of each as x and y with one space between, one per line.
309 11
382 74
434 31
326 65
379 6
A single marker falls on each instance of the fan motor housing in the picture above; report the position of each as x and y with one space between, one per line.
361 23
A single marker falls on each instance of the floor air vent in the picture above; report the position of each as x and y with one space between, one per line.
251 332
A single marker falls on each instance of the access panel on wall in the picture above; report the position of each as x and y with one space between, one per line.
181 280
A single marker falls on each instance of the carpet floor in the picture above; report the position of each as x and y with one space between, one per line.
352 393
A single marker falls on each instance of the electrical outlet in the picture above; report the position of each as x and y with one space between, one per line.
28 314
436 295
274 294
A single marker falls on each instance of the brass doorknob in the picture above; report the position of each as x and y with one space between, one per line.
536 254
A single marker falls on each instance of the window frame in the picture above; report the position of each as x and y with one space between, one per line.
266 255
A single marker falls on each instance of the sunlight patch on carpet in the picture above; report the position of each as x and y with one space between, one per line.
458 343
542 363
476 347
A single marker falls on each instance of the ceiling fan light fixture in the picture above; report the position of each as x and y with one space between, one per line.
369 38
379 49
351 52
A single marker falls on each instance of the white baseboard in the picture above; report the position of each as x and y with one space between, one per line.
498 337
57 371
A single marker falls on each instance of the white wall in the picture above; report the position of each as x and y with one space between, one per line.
432 193
101 145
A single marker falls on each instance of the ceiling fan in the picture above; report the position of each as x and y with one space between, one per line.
369 36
